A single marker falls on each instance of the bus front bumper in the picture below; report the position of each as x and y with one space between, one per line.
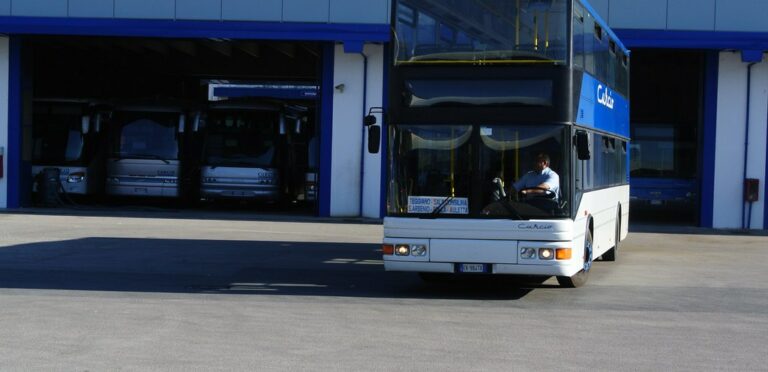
240 191
510 257
569 269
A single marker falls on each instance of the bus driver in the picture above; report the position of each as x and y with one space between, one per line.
542 181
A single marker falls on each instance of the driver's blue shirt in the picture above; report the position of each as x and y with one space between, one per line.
534 179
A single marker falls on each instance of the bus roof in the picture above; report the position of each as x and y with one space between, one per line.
604 25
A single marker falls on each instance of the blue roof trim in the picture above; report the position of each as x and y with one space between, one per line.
195 29
604 25
694 39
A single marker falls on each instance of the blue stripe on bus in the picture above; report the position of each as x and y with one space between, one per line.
707 205
602 108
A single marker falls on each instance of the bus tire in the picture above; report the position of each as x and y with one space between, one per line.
580 278
613 253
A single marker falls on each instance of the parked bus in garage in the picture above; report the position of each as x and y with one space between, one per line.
508 133
249 151
146 147
660 168
66 135
240 151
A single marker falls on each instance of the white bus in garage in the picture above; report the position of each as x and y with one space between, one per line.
240 152
66 135
146 151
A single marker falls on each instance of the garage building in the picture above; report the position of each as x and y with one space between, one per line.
699 85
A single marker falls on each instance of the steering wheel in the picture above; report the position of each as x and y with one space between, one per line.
548 193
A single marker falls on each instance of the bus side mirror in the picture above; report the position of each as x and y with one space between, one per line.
374 139
582 146
85 123
369 120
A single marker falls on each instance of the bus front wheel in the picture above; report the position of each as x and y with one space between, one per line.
580 278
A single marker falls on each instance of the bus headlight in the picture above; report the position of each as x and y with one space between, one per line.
528 253
546 254
402 250
76 177
419 250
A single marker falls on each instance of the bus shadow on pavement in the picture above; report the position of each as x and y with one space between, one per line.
232 267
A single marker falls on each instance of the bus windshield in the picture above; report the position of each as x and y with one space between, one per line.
57 139
477 31
246 138
146 135
432 171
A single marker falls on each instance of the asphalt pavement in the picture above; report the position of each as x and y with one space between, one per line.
216 291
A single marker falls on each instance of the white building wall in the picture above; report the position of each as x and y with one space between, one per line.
731 139
352 187
4 78
375 98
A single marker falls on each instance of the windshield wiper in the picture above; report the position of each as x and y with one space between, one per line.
441 206
142 156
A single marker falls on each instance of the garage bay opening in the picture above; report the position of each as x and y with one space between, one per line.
188 123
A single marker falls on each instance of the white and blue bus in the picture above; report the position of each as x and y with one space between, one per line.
507 139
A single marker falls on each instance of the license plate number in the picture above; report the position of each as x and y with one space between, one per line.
655 202
140 190
473 268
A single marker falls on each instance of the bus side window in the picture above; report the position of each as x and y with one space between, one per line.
579 42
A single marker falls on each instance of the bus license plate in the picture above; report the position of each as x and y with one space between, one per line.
473 268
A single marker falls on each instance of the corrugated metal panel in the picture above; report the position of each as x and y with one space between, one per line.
39 8
647 14
691 15
198 9
742 15
92 8
306 11
144 9
244 10
5 7
601 6
356 11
